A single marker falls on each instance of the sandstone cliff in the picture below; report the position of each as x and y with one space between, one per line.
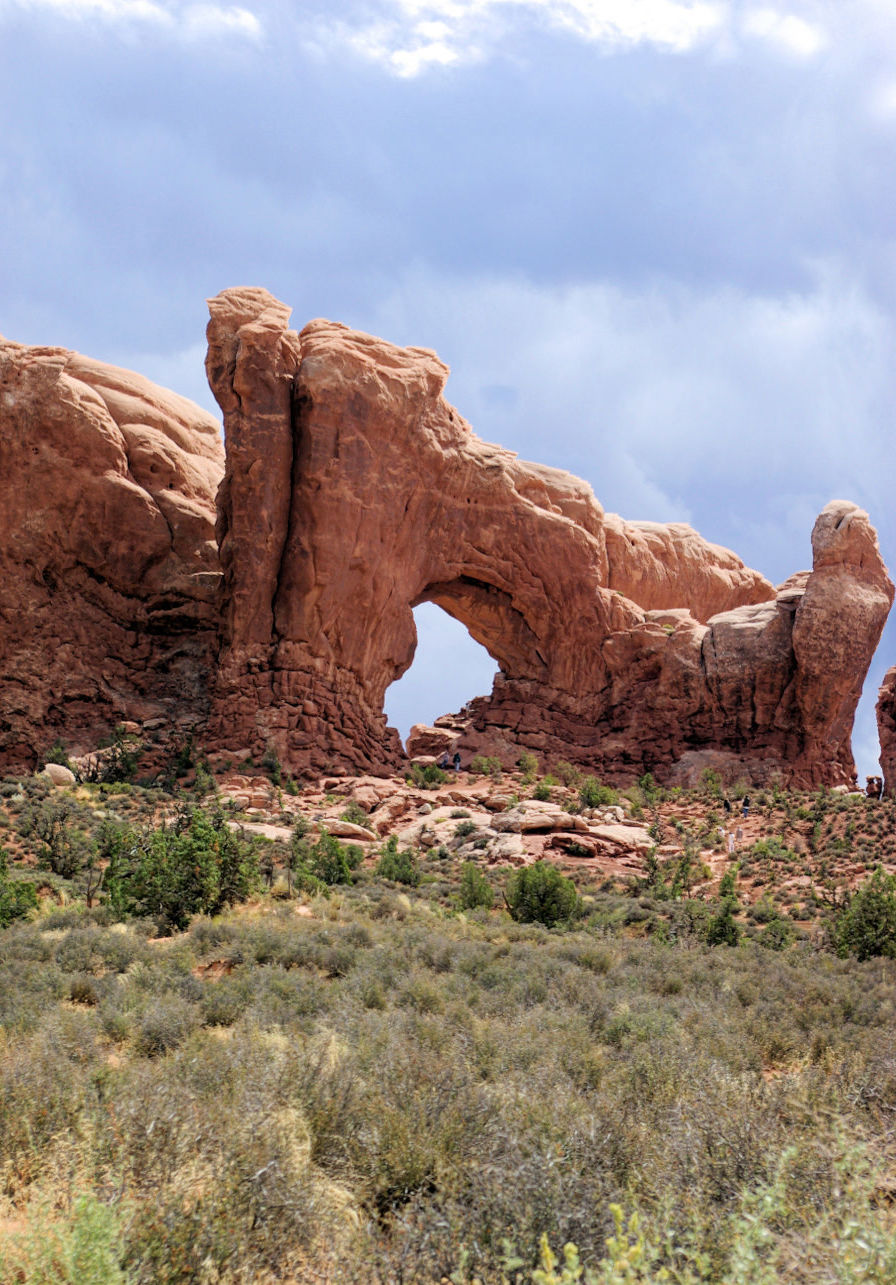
886 727
108 565
353 492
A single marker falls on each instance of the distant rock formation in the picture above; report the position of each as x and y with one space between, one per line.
109 572
886 727
353 492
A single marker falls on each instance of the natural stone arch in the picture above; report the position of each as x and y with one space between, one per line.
354 491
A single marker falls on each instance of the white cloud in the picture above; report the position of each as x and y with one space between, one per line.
415 35
791 34
671 25
743 412
186 21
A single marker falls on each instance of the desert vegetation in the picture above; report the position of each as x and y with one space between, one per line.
228 1058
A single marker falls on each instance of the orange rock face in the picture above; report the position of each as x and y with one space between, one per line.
108 566
353 492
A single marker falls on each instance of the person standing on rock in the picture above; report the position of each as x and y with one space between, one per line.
457 760
746 806
726 804
445 761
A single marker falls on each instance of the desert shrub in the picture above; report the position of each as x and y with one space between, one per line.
542 791
197 866
475 890
568 773
399 866
464 828
83 1247
270 761
428 776
528 765
594 795
119 763
711 783
332 862
866 925
355 814
18 897
541 894
165 1024
485 765
54 822
57 754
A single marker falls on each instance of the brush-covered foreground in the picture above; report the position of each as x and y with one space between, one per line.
366 1083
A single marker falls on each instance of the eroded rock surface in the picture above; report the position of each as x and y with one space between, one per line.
108 566
886 726
354 491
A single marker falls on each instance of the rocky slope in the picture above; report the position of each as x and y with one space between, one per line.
108 566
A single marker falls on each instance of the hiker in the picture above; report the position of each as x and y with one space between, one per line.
445 761
730 844
457 760
726 804
746 806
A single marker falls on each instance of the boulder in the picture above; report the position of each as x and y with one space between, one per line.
348 830
59 774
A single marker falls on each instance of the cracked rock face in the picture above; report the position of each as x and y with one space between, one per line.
108 566
353 491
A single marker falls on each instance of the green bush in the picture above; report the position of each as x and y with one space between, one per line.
541 894
198 866
568 773
475 890
57 754
594 795
400 867
528 765
484 765
866 925
428 777
64 846
355 814
17 897
330 861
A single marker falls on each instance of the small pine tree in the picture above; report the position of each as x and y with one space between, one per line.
541 894
866 925
400 867
475 890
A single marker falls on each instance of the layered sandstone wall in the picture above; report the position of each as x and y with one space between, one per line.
109 572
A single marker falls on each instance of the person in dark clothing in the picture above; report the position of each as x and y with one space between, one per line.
726 804
445 761
457 760
746 806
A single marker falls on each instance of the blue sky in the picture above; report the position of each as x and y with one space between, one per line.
653 239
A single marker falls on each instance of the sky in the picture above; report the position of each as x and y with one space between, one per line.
653 239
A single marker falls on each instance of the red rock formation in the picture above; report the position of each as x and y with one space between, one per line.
108 566
886 726
353 492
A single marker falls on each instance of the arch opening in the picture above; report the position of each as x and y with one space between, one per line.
449 668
